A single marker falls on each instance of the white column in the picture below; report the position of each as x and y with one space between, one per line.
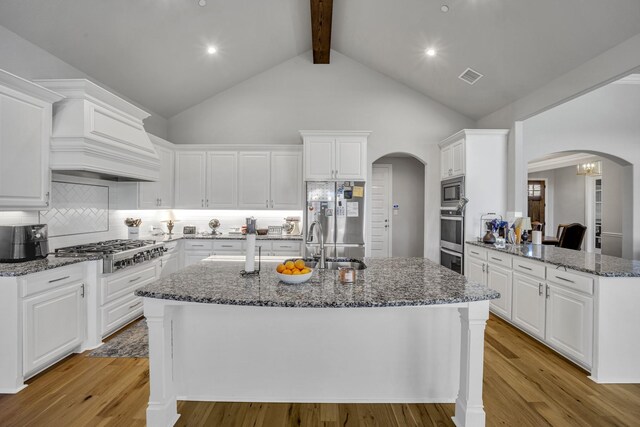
162 410
469 408
92 298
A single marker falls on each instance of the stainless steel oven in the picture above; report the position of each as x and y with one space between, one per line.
451 230
451 260
452 191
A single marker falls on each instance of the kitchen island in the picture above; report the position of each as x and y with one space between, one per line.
408 330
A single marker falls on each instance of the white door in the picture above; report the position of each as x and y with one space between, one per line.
191 179
254 180
529 304
499 279
446 162
222 180
54 324
350 160
165 185
570 323
286 180
24 151
380 207
169 264
318 158
457 158
475 270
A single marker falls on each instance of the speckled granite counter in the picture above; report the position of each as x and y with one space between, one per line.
385 283
587 262
176 236
10 269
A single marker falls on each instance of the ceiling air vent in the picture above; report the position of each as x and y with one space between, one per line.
470 76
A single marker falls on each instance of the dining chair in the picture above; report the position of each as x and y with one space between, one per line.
572 236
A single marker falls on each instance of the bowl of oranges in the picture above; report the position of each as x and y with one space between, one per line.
294 271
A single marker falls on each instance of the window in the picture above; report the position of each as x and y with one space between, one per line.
535 191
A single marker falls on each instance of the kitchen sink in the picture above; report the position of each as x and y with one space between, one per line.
336 263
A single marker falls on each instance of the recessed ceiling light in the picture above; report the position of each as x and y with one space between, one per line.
202 3
444 8
211 50
430 52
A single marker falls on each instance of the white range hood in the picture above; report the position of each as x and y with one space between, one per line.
97 133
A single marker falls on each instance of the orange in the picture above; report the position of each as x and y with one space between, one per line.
280 268
296 272
299 264
306 271
290 265
287 271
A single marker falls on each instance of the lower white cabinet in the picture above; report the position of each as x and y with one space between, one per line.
169 264
569 323
54 325
196 250
499 279
528 308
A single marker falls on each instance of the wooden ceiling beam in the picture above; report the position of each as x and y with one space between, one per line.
321 15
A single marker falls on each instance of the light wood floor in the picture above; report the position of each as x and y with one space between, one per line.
525 384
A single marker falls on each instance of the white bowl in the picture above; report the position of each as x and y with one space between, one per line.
294 279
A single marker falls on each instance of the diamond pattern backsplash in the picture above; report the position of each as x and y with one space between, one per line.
77 209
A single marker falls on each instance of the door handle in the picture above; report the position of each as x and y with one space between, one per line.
540 289
202 203
267 203
483 270
548 294
207 202
82 291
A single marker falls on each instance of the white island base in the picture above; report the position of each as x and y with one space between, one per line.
211 352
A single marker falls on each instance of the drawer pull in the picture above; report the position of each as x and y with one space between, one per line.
135 305
522 266
287 247
566 280
135 279
227 246
475 253
57 280
197 246
496 259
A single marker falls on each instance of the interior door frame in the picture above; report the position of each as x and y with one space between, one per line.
546 205
590 212
389 167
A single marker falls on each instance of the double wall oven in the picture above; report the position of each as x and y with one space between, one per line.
452 224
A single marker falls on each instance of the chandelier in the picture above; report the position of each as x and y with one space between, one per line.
590 168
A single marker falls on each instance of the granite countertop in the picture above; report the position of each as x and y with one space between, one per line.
387 282
586 262
14 269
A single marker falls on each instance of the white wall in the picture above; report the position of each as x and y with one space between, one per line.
272 107
407 192
611 65
24 59
606 121
613 181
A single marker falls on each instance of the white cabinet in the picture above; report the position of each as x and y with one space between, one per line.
169 264
335 155
528 311
286 180
54 325
190 179
569 323
499 279
286 248
222 179
476 270
158 194
254 180
25 132
452 160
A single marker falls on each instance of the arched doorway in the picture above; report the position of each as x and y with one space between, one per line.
398 206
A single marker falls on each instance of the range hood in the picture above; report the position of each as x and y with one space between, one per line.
98 134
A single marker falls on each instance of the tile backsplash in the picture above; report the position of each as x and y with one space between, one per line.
86 210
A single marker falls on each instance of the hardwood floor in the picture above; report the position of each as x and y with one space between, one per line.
525 384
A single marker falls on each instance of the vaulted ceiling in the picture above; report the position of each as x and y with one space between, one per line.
154 51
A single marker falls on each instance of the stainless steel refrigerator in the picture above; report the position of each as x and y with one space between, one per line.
339 206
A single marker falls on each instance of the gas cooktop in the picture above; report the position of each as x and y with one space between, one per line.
116 254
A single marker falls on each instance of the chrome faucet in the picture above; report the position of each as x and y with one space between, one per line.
323 258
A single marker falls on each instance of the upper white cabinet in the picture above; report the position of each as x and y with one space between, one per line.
190 179
335 155
452 160
228 179
222 181
159 194
25 132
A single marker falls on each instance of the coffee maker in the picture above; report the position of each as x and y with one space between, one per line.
19 243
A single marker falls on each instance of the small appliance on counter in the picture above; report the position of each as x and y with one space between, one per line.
189 230
20 243
292 226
